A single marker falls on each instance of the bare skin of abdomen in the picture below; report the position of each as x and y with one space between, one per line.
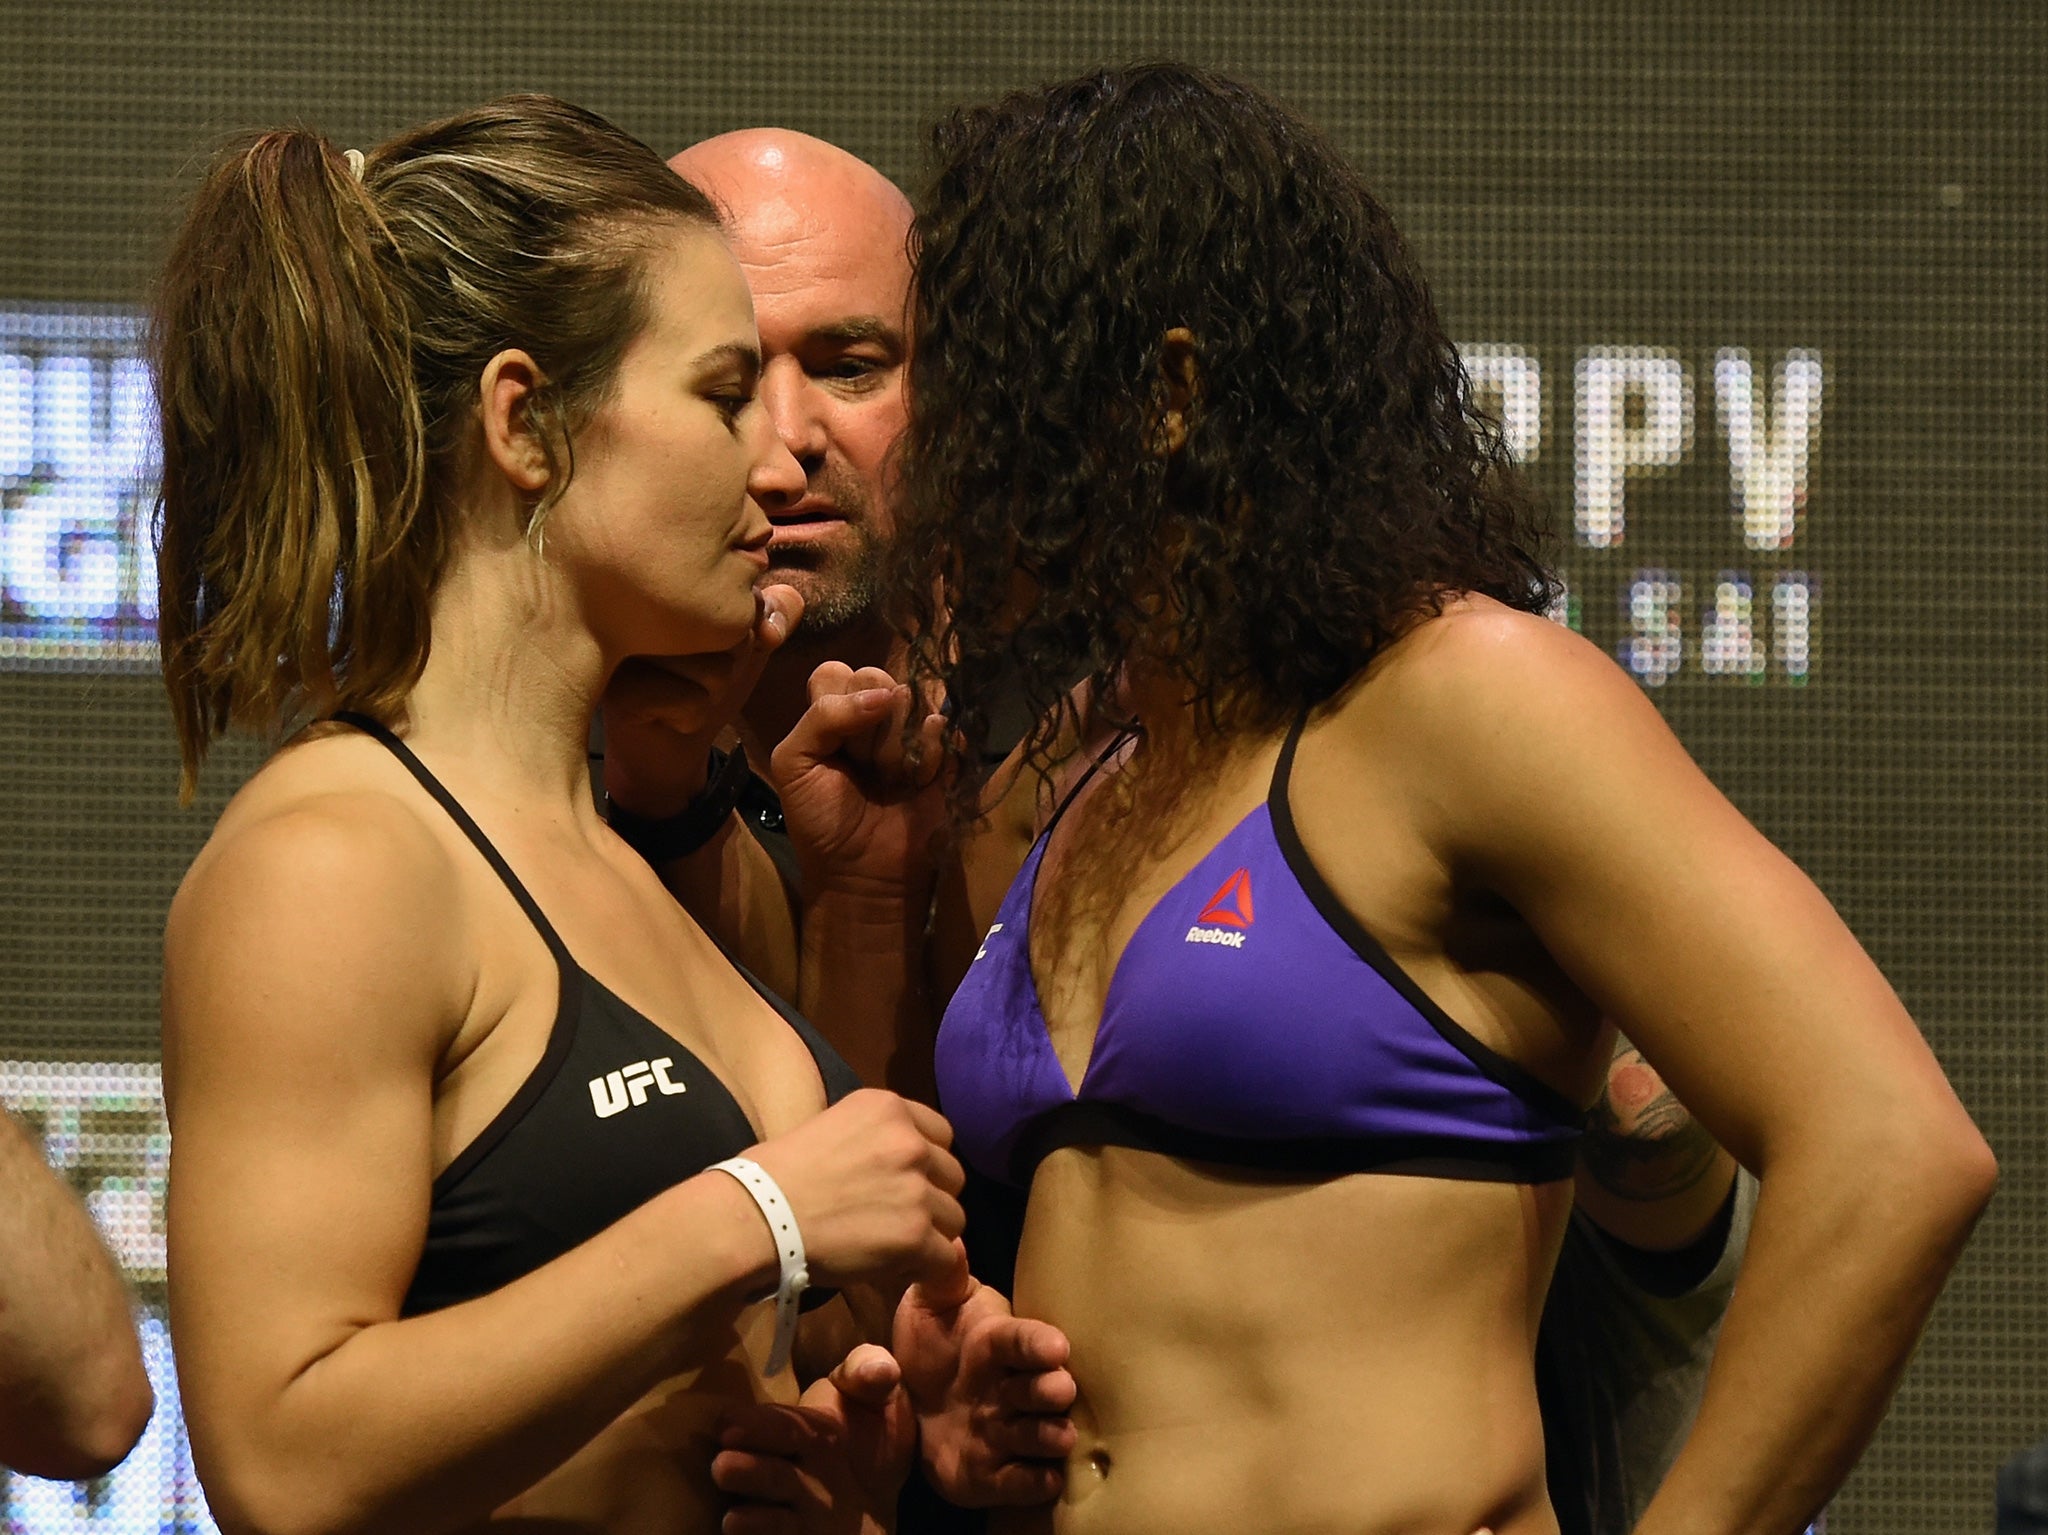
1346 1357
649 1473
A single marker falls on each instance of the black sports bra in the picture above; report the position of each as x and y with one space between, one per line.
616 1111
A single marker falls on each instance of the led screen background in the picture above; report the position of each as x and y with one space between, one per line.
1624 213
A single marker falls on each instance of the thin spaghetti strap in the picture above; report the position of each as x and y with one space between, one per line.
1100 762
1283 766
382 734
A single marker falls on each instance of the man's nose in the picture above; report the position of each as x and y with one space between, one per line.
777 480
790 400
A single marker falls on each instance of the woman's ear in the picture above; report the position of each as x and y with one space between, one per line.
1180 382
512 437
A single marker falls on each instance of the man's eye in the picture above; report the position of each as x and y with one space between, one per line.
851 368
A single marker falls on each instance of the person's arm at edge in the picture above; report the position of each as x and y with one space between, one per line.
73 1394
1557 785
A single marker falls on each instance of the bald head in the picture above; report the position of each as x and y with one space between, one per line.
765 176
822 237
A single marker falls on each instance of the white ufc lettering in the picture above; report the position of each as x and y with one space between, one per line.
626 1088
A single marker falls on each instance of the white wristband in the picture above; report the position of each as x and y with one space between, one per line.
789 1248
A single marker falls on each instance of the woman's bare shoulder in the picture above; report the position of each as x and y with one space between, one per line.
1476 668
322 861
1474 638
324 797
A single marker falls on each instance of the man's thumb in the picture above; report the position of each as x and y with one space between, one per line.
869 1375
950 1291
782 608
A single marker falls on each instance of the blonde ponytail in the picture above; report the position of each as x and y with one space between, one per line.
319 338
294 457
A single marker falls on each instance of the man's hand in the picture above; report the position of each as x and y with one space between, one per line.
991 1392
831 1465
662 714
862 810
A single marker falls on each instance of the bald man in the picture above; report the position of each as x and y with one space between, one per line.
823 239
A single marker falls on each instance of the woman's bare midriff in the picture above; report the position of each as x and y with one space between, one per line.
1345 1357
649 1473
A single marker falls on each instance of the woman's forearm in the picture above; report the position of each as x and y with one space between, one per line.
1849 1250
430 1422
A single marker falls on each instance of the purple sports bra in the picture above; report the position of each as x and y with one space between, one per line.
1251 1021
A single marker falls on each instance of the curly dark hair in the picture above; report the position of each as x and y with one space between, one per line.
1334 480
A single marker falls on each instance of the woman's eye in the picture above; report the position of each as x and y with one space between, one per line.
730 405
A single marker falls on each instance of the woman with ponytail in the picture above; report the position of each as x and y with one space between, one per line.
476 1130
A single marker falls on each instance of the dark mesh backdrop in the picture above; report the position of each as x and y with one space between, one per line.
1633 215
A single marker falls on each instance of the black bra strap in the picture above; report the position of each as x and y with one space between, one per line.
1283 766
1509 1073
1101 761
434 786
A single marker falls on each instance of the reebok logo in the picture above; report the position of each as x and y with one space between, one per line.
626 1088
1232 905
1229 907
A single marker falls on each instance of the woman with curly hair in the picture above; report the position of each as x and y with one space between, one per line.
497 1183
1286 1024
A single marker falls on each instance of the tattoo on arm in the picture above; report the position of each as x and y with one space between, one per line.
1650 1149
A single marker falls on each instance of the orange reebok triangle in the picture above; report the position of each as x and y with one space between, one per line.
1232 905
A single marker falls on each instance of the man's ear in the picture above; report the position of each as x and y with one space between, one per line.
512 437
1180 383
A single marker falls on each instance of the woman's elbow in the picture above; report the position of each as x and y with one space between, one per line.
1943 1173
275 1509
1918 1169
274 1491
1968 1174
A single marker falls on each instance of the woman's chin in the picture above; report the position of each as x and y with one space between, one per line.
700 628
